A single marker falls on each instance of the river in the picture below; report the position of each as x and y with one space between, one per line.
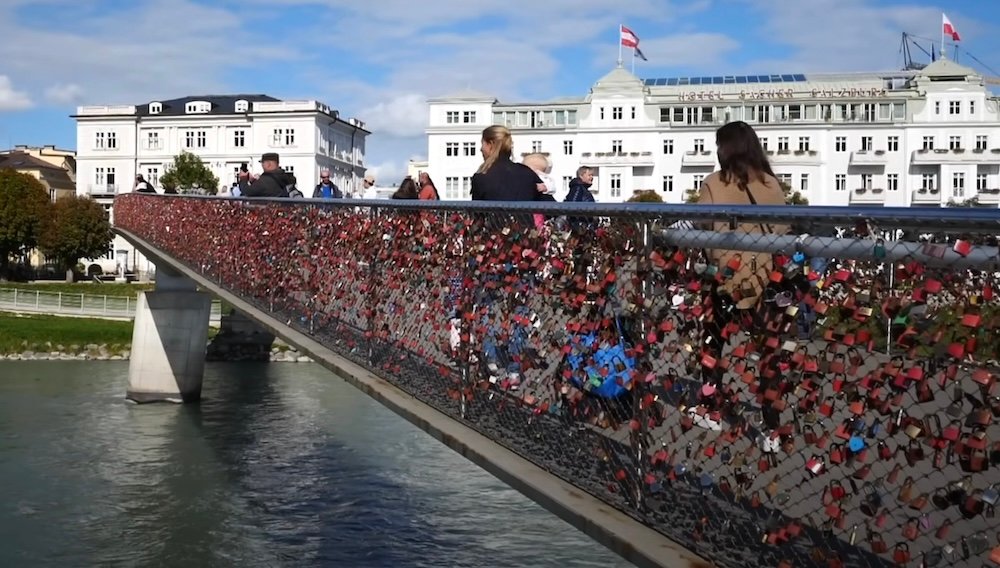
279 465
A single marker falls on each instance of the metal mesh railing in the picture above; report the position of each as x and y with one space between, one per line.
769 386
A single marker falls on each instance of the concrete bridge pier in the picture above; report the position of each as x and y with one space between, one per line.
168 341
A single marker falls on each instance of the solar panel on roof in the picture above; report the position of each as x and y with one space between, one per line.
672 81
787 77
683 81
706 80
775 78
717 80
740 80
661 82
800 77
763 79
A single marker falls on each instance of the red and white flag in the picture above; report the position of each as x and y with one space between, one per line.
629 39
946 28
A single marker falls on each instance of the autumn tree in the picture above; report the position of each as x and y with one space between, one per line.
24 209
77 228
188 174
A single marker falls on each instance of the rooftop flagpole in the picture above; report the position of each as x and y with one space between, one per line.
620 61
633 61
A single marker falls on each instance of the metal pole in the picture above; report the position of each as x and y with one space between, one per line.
15 298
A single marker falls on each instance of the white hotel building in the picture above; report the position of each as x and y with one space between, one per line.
117 142
902 138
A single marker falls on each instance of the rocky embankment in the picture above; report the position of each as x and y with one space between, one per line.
278 353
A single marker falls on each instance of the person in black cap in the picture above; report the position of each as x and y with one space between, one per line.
273 182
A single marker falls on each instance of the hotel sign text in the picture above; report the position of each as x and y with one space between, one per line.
783 94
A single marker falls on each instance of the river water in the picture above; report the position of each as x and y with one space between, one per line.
279 465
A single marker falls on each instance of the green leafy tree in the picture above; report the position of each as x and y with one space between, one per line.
78 228
791 197
970 202
24 209
189 175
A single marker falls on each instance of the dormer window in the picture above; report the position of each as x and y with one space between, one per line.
242 106
197 107
155 108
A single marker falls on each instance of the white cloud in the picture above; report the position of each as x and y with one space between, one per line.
64 94
11 99
402 116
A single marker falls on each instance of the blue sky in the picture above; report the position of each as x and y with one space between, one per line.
379 60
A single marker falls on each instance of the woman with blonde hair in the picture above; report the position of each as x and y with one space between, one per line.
499 178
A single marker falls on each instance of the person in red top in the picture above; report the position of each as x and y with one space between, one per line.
427 189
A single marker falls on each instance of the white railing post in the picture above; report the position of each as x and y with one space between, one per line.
60 301
81 303
37 300
105 305
127 312
15 298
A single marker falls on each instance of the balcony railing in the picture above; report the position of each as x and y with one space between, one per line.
956 156
794 157
624 158
823 393
698 158
868 195
869 158
102 189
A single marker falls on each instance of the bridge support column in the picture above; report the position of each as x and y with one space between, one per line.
168 341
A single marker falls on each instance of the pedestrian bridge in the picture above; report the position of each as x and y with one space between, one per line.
579 353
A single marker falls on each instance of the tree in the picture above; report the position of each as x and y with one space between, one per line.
644 196
78 228
189 175
970 202
24 208
791 197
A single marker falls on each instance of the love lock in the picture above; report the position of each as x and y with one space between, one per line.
879 251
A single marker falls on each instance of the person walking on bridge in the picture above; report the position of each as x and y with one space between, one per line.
273 182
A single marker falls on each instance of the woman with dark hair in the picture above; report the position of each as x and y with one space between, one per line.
499 178
407 190
428 191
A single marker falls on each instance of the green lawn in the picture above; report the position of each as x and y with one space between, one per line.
37 333
88 288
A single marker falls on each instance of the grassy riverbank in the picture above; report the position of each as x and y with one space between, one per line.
51 333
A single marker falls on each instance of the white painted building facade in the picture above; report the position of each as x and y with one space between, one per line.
117 142
909 138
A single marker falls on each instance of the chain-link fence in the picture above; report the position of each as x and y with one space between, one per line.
768 386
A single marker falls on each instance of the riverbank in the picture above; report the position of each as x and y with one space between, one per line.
53 338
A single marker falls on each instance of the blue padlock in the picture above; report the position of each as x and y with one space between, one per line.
856 444
799 257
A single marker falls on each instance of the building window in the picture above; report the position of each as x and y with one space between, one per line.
928 143
616 146
153 174
105 141
954 108
239 138
104 179
197 107
668 184
451 188
981 181
468 148
954 142
536 145
763 143
866 181
972 108
782 143
892 182
288 169
840 182
982 141
616 185
289 137
803 143
841 143
668 146
785 179
565 182
189 138
616 113
804 183
466 187
194 139
568 147
696 181
201 139
241 106
155 108
451 149
699 145
927 181
100 177
469 117
633 113
893 143
602 113
937 107
867 143
958 184
153 140
451 117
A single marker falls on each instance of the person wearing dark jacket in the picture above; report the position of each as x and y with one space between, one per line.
272 182
500 179
579 187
